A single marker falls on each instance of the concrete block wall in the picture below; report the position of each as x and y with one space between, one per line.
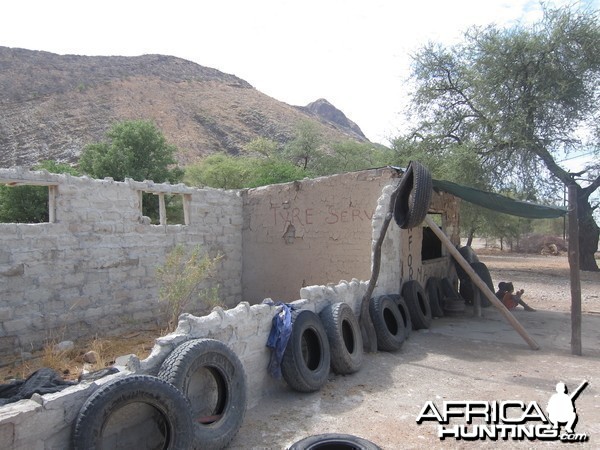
93 269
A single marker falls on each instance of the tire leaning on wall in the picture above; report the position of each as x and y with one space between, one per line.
150 408
345 338
307 357
388 323
212 377
436 296
403 308
418 304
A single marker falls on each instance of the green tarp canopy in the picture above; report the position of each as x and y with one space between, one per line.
499 202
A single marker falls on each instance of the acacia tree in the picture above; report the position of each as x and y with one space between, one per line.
138 150
134 149
520 98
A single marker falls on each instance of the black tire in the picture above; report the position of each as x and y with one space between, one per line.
212 377
453 304
414 196
306 360
454 307
448 290
388 323
467 291
334 441
482 270
418 305
404 312
345 338
470 256
436 296
153 411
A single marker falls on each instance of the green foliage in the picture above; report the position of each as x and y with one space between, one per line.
517 100
305 149
137 150
134 149
262 146
23 204
57 167
29 204
348 156
517 97
273 171
181 278
220 171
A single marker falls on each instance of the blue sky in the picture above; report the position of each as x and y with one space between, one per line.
354 53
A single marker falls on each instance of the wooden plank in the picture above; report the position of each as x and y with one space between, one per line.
574 272
481 285
23 182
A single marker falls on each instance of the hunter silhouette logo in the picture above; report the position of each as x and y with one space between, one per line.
561 407
512 419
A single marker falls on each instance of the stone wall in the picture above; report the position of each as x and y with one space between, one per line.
92 268
46 422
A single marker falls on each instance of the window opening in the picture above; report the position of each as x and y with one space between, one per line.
166 209
432 245
27 203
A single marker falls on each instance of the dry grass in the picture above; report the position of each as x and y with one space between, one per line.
70 363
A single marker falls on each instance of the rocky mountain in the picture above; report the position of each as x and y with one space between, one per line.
52 105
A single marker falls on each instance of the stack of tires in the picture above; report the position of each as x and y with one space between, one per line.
198 400
453 304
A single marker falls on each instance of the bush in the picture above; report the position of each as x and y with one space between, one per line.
537 243
181 278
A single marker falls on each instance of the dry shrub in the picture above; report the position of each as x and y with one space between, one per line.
535 243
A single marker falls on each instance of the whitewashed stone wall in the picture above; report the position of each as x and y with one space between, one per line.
46 422
93 268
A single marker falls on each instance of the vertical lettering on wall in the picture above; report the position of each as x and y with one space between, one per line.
409 259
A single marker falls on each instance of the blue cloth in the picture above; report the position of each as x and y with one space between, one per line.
281 329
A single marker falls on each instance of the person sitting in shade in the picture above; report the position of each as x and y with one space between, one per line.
509 299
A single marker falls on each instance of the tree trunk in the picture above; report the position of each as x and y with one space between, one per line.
589 233
470 237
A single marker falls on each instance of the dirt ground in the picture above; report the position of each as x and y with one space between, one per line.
464 358
460 358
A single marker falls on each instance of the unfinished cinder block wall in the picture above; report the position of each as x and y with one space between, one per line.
91 269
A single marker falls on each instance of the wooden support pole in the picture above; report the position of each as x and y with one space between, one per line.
480 284
574 272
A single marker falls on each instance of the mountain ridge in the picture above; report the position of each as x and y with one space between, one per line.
53 105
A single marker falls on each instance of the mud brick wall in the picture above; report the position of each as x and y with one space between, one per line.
93 269
311 232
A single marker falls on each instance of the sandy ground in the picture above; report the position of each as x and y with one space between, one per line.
462 358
